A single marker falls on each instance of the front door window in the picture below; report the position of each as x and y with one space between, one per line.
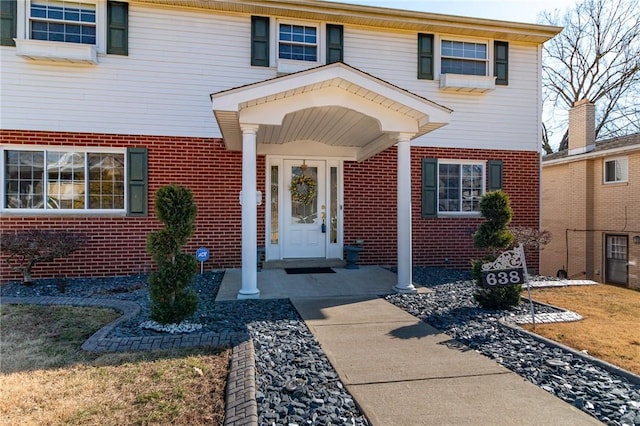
304 194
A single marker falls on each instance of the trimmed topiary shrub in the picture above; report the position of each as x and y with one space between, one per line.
493 236
172 301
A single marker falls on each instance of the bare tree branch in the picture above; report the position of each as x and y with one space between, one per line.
595 57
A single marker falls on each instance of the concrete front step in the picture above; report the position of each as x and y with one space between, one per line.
303 263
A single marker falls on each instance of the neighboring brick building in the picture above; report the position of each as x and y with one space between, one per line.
591 205
398 121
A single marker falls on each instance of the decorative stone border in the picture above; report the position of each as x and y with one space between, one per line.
631 377
564 316
241 405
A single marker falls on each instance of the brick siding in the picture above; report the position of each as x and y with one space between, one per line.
442 241
116 244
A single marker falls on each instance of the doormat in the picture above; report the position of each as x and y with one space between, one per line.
298 271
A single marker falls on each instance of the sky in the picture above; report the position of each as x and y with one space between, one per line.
504 10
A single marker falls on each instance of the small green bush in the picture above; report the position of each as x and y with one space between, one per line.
172 301
493 236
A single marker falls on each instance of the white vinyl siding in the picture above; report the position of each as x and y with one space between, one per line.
166 80
515 109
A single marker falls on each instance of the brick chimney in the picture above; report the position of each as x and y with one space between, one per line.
582 127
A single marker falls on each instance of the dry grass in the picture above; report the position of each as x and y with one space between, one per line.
47 379
610 329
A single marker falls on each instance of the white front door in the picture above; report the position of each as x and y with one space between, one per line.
304 209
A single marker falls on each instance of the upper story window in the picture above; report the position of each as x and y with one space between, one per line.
65 30
294 46
461 57
616 170
463 65
298 42
65 21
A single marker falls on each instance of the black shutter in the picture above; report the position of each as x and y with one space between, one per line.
495 175
260 41
137 181
8 20
501 62
429 187
117 28
335 43
425 56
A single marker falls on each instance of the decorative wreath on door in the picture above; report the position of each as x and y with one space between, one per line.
303 189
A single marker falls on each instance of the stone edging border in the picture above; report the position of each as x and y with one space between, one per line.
240 405
241 408
631 377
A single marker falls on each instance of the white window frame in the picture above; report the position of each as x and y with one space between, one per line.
292 65
439 38
60 50
52 211
483 189
464 82
624 170
478 42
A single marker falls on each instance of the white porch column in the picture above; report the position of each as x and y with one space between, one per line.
405 264
249 288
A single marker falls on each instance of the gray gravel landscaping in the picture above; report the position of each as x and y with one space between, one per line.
297 385
450 307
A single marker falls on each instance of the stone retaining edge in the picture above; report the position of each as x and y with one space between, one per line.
241 408
241 405
631 377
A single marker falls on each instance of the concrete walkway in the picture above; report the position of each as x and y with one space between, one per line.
402 371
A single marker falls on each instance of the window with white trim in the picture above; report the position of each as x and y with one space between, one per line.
75 31
463 65
60 20
463 57
460 187
64 180
298 42
616 170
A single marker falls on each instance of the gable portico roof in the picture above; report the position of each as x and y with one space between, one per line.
355 113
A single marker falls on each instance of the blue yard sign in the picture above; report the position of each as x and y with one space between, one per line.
202 255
